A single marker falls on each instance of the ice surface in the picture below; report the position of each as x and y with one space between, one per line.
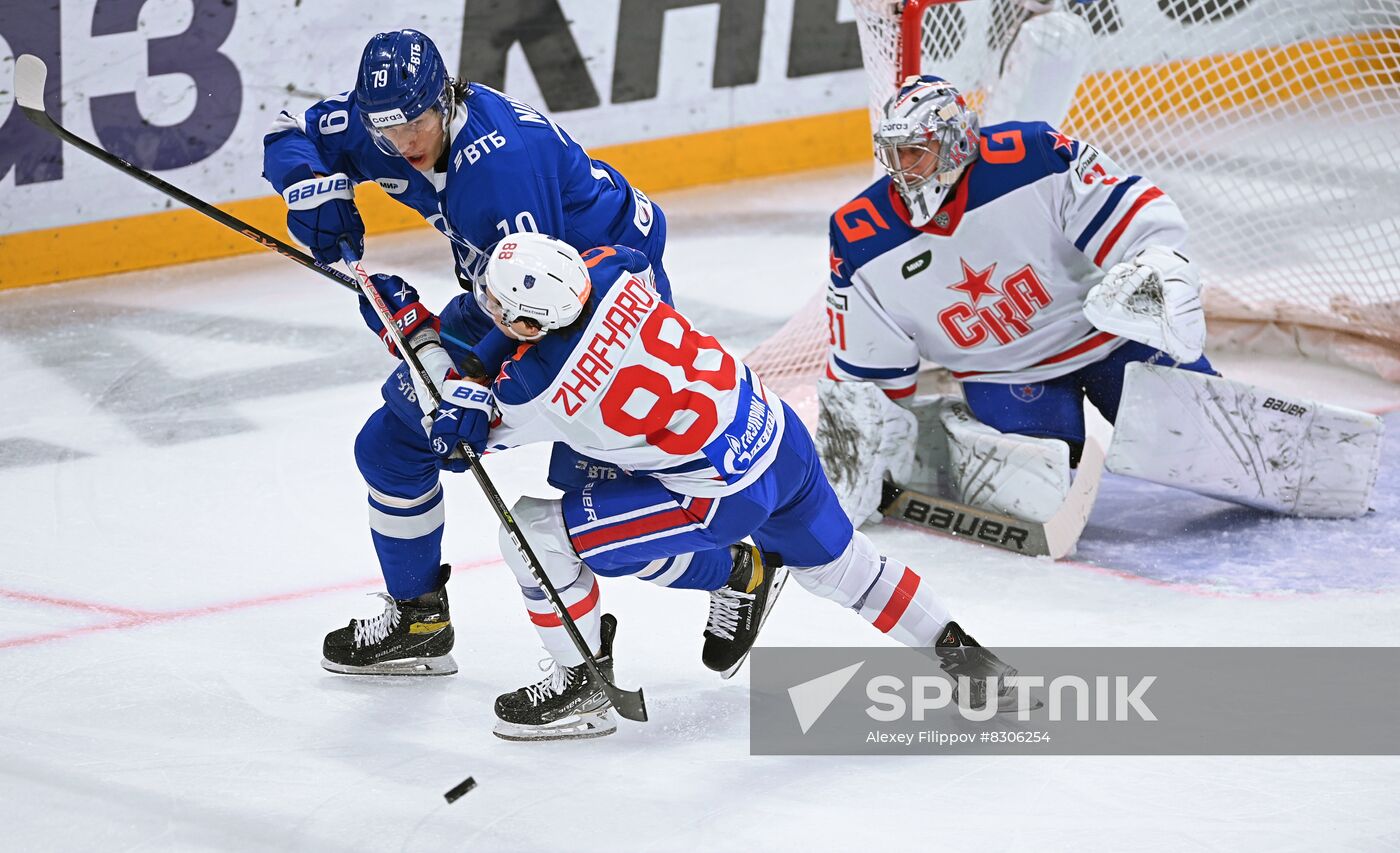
181 522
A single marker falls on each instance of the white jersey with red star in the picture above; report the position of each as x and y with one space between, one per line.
992 288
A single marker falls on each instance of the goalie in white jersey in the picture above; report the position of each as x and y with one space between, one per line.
711 456
1036 271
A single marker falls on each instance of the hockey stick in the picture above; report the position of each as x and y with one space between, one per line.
1054 538
30 75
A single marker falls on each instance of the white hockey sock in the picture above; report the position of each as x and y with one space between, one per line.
543 522
901 604
581 598
888 594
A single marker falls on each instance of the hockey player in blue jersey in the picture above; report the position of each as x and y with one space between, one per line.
1041 274
477 164
710 456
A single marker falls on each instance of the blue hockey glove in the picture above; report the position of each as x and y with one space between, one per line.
465 414
321 214
410 315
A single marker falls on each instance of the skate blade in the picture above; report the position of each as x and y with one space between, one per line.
778 583
575 727
441 665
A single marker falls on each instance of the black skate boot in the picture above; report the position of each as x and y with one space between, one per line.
411 637
960 655
567 704
738 609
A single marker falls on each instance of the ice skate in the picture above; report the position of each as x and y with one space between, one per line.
410 637
739 609
960 655
567 704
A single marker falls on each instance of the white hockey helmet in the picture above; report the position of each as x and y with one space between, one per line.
926 137
535 278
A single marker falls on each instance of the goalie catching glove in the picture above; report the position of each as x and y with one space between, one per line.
464 415
1154 299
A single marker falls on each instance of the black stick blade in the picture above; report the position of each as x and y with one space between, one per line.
630 704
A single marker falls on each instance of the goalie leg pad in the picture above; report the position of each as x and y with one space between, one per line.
862 435
1244 444
1018 475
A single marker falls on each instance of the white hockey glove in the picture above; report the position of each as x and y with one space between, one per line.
863 437
1154 299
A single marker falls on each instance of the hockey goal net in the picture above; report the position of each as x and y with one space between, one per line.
1273 124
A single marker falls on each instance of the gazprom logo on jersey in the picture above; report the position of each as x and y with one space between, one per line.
733 455
387 118
643 217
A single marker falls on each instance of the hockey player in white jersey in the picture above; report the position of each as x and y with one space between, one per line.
711 456
1040 274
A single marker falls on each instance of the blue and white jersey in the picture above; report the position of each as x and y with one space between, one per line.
992 287
508 168
636 385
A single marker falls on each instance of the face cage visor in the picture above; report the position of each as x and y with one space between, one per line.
921 168
394 121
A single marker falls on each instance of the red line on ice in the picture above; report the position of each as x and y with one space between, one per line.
140 618
35 598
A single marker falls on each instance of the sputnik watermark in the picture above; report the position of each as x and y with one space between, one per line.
1078 701
1113 698
929 693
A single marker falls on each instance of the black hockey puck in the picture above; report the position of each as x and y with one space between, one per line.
461 788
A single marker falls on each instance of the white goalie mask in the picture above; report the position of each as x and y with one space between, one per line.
925 139
534 278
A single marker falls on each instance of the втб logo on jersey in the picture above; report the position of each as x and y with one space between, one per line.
1006 314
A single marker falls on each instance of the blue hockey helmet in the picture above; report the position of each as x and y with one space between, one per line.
402 76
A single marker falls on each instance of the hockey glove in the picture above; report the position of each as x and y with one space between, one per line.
1154 299
465 414
321 214
410 315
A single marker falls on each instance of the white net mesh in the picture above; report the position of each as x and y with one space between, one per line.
1273 124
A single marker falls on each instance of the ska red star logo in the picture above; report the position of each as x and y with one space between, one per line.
836 263
974 282
1061 141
